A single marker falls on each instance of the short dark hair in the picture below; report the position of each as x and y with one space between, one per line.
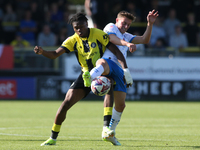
127 15
78 17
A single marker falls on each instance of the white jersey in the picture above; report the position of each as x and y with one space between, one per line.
111 28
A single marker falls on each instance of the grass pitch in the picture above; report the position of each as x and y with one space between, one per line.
24 125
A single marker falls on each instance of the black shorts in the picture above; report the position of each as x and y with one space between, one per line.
79 84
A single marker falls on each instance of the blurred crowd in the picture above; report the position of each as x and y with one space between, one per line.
45 22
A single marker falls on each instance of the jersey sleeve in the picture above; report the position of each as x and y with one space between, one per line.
68 44
102 37
110 28
130 37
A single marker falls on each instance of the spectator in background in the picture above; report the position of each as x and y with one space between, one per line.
133 9
56 16
182 7
98 11
37 13
170 23
62 5
47 20
159 44
159 47
191 29
178 39
46 37
158 31
63 33
28 28
64 23
21 6
19 42
116 7
9 23
154 4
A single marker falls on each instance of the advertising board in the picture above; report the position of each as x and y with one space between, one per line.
17 88
143 68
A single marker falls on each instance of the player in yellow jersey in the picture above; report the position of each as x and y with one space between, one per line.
89 44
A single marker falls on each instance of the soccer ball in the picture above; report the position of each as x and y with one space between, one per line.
100 86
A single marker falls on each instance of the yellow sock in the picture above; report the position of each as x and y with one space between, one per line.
107 116
56 128
107 111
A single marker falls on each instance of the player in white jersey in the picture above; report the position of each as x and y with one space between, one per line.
125 42
111 28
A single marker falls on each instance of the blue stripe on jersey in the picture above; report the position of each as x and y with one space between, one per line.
132 38
111 33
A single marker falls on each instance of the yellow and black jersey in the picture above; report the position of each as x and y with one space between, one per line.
88 50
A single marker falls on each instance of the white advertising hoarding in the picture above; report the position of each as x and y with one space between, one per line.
144 68
164 68
72 68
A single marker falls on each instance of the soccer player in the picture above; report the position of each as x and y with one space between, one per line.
89 44
124 41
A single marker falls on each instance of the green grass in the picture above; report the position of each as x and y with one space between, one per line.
144 125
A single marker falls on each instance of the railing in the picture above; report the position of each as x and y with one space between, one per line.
27 63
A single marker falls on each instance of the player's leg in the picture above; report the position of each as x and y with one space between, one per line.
72 96
119 98
102 68
119 93
108 106
117 74
76 92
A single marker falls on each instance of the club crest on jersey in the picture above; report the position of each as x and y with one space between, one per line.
93 45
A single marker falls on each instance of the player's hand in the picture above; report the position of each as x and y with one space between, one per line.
132 47
38 50
151 17
128 78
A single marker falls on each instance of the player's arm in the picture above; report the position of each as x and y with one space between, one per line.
114 49
145 38
49 54
117 41
87 7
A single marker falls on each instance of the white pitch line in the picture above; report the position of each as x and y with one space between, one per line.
21 135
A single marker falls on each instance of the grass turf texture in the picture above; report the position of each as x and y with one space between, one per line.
144 125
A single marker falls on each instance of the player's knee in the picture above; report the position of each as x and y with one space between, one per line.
120 107
123 106
105 65
101 62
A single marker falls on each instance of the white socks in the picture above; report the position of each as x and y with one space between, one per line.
96 71
116 116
